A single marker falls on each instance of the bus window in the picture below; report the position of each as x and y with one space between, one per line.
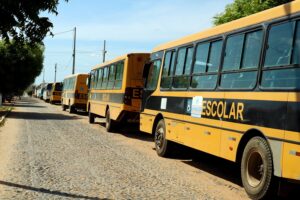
251 55
233 52
99 81
111 78
296 53
58 87
281 78
49 86
105 78
246 58
201 58
119 75
183 68
206 65
168 70
215 56
280 43
282 52
153 75
180 61
188 61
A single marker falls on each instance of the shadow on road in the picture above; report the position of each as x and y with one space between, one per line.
47 191
28 105
40 116
130 130
211 164
81 113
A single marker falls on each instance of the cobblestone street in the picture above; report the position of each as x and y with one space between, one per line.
50 154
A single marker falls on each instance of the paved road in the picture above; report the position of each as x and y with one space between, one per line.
50 154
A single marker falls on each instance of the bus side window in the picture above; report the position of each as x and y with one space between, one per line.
280 43
105 78
296 49
99 80
111 77
183 68
241 60
168 69
206 65
281 55
119 75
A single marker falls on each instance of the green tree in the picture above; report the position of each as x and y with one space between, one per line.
19 65
243 8
20 20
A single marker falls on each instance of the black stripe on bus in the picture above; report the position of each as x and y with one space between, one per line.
108 97
272 114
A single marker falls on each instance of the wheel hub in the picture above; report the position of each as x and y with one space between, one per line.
255 169
159 137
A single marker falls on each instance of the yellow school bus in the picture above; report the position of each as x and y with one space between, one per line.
55 96
232 91
74 95
115 89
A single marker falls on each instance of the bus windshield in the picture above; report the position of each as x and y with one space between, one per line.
58 87
49 86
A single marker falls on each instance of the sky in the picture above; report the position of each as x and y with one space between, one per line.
126 25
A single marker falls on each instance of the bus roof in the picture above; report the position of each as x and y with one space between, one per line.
119 58
74 75
276 12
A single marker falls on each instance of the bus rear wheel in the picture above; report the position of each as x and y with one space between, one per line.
63 107
91 117
71 109
257 169
109 122
163 147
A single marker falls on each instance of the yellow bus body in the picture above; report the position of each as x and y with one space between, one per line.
55 96
225 134
75 96
124 101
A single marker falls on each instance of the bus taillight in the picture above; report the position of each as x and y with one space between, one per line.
127 96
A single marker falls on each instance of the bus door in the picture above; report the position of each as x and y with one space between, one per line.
151 75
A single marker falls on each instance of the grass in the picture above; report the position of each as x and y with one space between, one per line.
4 109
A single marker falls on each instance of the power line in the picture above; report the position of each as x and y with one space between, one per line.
59 33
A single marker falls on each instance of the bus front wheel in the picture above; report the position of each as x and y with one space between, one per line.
257 169
163 147
63 107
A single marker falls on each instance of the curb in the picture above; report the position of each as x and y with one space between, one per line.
3 117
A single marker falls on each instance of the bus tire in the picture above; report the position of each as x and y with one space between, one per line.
257 169
109 123
163 147
91 117
71 109
63 107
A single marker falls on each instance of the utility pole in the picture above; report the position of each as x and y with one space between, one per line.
55 72
74 50
104 50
